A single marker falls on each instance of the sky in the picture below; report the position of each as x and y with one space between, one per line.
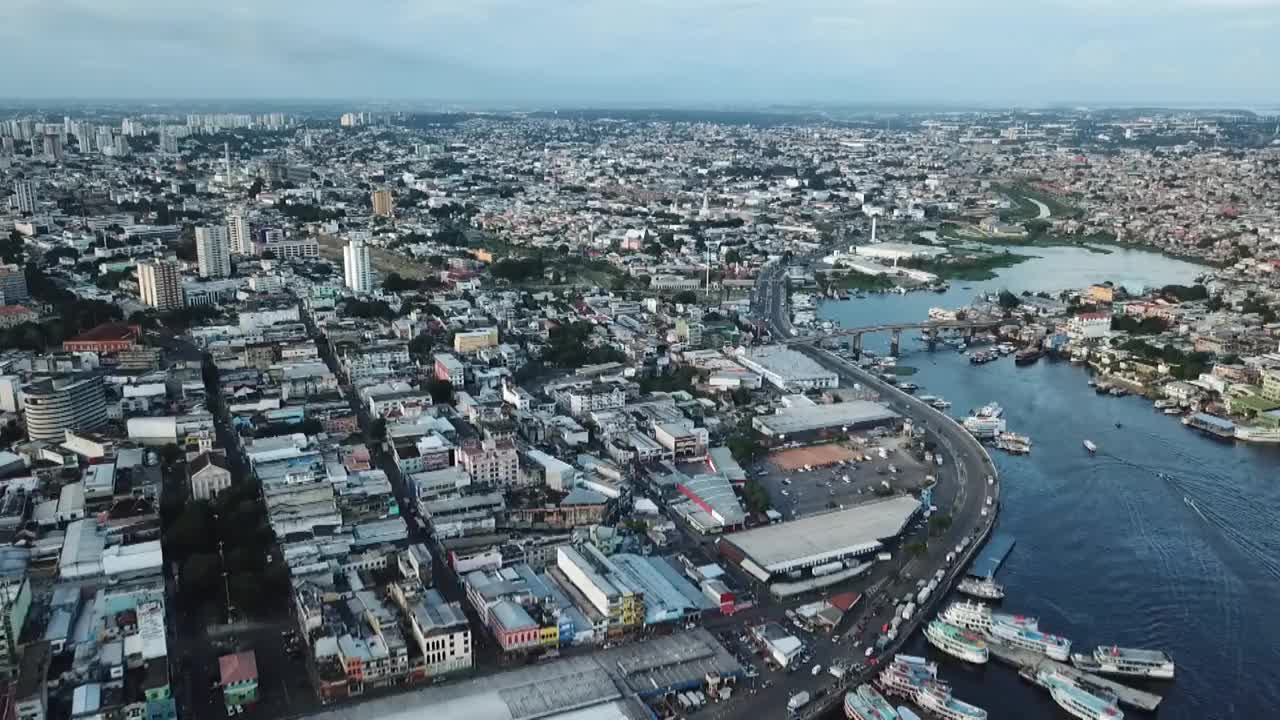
648 52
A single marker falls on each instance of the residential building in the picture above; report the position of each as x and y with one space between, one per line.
450 369
213 251
13 284
24 197
357 268
682 438
15 604
383 203
583 399
596 578
239 233
475 340
159 284
1271 385
15 315
494 463
66 402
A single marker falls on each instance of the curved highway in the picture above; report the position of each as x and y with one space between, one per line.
967 483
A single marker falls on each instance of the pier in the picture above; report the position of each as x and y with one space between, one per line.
1033 661
992 556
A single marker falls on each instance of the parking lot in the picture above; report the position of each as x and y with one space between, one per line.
798 492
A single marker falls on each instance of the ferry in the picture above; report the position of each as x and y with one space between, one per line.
1077 702
907 674
1257 434
937 698
1024 632
866 703
971 615
957 643
906 713
984 427
985 588
1126 661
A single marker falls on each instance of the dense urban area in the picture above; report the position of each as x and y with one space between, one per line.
346 413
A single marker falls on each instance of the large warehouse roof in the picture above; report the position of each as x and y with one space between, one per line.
804 419
828 536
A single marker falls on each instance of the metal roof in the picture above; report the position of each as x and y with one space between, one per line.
827 536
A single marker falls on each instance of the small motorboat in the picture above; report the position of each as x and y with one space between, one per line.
1088 445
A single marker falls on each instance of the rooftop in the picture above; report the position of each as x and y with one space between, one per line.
826 536
802 419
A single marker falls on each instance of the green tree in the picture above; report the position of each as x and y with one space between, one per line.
686 297
441 391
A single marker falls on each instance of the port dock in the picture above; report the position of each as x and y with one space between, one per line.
1032 661
992 557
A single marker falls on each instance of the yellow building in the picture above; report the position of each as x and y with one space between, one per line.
1271 385
1100 294
474 340
383 203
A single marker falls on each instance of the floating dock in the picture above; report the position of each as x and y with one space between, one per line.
993 555
1033 661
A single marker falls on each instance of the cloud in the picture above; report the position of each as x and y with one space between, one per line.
685 51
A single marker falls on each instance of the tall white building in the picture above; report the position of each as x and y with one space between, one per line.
159 285
213 251
25 190
238 231
356 265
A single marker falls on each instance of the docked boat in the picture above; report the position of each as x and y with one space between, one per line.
1027 356
971 615
984 588
992 410
906 713
907 675
866 703
1211 425
1013 443
957 642
1088 445
1076 701
937 698
1257 434
984 427
1112 660
1024 632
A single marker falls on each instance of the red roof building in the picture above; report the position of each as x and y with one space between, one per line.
106 338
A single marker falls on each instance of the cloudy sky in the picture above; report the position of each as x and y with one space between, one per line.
678 52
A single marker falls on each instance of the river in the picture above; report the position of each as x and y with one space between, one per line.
1166 539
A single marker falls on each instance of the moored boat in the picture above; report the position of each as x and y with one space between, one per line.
1113 660
984 588
1075 700
866 703
957 642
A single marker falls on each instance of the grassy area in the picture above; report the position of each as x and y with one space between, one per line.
859 281
972 267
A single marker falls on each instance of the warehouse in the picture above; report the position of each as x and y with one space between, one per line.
818 544
809 423
787 369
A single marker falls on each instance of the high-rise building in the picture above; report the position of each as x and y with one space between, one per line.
383 203
159 285
13 284
25 192
53 147
356 266
66 402
213 251
238 232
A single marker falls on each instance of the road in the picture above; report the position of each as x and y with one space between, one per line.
1044 209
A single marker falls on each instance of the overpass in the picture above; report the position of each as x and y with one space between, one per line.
931 329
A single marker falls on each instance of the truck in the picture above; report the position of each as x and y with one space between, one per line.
836 671
908 611
897 621
798 701
884 557
923 595
951 557
884 454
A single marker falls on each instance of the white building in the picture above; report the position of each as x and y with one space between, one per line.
213 251
238 233
356 266
1089 326
786 369
24 192
159 285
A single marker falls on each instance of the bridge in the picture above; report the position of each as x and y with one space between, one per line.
931 329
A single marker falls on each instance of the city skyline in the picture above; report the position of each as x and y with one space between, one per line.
716 52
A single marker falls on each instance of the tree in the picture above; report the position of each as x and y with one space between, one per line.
686 297
1008 300
202 575
441 391
420 346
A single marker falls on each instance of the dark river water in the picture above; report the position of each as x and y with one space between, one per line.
1166 539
